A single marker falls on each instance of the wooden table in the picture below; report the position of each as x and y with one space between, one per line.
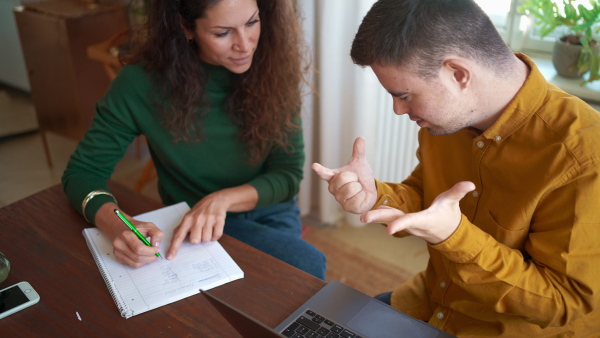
41 236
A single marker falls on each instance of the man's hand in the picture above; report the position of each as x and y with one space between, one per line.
434 224
352 185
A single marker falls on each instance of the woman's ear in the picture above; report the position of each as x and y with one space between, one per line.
186 32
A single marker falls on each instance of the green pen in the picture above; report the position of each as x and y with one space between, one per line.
135 231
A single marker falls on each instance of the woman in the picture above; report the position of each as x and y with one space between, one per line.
214 88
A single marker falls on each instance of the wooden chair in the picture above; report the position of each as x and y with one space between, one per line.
107 53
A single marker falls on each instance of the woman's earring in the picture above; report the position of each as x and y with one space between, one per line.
190 41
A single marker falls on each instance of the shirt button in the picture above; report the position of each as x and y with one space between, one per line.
386 201
475 194
498 138
443 284
480 144
440 315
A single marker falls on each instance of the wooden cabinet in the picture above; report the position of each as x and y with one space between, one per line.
65 83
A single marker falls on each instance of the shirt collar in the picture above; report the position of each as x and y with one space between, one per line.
218 76
523 105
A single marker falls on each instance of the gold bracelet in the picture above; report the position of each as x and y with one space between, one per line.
89 198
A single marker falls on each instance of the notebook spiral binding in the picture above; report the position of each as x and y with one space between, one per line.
125 311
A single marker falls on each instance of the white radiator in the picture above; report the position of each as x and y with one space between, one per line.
12 64
396 143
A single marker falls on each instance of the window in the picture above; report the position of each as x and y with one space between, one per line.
498 11
517 29
534 42
505 17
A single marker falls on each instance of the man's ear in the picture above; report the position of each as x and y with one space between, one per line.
460 71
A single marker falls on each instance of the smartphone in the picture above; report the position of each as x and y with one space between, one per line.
17 297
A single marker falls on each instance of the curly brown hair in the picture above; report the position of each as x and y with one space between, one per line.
265 101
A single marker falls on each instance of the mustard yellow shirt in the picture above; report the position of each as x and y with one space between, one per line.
525 259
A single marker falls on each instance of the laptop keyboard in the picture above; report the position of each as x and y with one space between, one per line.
313 325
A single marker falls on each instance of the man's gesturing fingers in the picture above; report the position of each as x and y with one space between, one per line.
341 179
453 195
358 158
358 150
324 173
352 185
434 224
383 215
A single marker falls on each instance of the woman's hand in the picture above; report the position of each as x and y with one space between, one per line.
206 220
127 247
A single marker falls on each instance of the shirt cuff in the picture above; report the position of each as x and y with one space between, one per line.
94 205
464 244
265 190
385 196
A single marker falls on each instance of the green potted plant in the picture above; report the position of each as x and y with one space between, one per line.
582 25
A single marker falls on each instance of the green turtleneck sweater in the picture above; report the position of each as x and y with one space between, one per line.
186 171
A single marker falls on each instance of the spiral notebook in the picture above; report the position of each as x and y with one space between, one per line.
197 266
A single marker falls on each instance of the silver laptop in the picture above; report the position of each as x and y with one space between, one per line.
337 310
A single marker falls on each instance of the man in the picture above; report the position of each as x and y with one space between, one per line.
507 187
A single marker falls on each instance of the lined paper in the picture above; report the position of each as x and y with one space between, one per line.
196 266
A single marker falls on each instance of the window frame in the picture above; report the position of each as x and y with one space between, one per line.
517 32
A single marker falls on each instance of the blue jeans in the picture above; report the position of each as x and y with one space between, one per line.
385 297
276 230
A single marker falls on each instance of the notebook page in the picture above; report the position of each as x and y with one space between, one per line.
196 266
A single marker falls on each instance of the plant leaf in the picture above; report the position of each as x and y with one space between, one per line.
584 42
586 14
594 69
